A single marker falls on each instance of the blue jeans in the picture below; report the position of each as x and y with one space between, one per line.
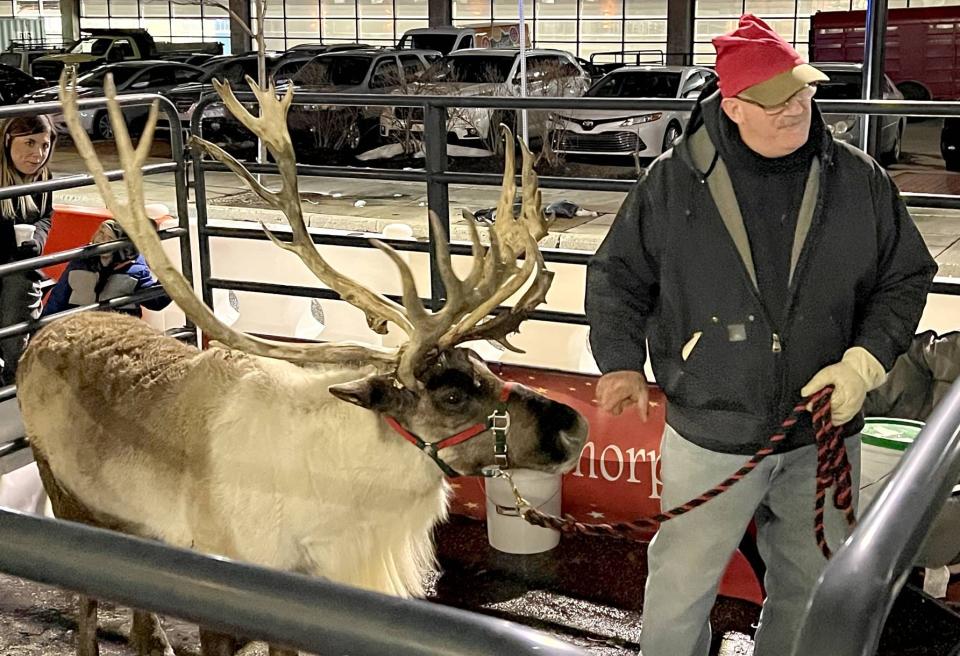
690 553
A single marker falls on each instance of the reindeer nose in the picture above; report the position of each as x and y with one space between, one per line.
570 425
575 436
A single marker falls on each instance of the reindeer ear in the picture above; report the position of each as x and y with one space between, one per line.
377 392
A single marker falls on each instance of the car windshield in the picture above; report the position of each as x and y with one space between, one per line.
91 46
478 69
233 70
334 71
95 77
840 86
637 84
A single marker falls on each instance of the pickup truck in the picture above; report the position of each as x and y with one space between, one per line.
110 45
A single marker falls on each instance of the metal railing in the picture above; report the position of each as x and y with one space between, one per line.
860 583
177 167
437 177
285 609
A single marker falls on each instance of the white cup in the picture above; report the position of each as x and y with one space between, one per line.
23 232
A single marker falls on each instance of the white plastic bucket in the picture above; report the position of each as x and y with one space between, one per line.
509 532
882 443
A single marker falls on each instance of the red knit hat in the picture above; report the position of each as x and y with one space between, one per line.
756 63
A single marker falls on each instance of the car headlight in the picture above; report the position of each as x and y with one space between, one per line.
214 111
840 127
642 118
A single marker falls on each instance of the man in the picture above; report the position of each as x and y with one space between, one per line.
763 261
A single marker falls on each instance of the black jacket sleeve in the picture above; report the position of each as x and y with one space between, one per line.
44 221
622 286
905 270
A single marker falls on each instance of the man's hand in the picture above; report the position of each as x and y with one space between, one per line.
855 375
620 389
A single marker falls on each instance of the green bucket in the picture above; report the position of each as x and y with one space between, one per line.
887 433
883 441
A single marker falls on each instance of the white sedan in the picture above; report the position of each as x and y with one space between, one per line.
644 133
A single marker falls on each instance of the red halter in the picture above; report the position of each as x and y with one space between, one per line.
498 421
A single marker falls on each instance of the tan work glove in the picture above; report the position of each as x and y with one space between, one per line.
618 390
857 373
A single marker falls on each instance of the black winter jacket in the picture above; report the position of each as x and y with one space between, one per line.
677 262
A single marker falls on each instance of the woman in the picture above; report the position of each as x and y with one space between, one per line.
28 143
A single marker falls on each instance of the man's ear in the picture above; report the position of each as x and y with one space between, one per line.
376 392
731 107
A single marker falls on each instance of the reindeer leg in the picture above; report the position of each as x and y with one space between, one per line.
148 636
87 627
217 644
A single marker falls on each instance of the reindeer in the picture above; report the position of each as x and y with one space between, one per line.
292 456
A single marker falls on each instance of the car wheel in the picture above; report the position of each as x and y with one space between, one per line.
102 128
494 136
892 156
913 91
670 136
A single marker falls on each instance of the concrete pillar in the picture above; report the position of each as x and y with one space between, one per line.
70 19
680 31
239 40
440 12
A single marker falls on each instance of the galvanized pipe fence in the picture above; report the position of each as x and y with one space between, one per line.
437 177
283 608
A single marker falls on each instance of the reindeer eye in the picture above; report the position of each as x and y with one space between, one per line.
453 397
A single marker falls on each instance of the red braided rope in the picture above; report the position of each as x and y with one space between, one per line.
833 469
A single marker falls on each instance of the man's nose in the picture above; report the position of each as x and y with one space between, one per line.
794 107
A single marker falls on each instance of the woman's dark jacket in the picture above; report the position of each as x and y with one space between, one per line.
9 252
677 262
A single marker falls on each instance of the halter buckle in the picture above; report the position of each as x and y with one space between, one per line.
499 421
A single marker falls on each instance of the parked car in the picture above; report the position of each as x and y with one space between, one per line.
22 54
317 128
644 133
101 46
194 58
950 143
322 48
140 76
448 38
15 84
491 72
227 68
846 83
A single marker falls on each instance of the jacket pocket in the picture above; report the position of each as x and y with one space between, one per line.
728 367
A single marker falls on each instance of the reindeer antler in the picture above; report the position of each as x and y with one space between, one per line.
132 216
494 276
271 127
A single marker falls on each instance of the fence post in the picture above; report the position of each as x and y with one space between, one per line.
438 197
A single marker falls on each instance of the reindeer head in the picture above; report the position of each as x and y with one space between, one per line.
435 393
